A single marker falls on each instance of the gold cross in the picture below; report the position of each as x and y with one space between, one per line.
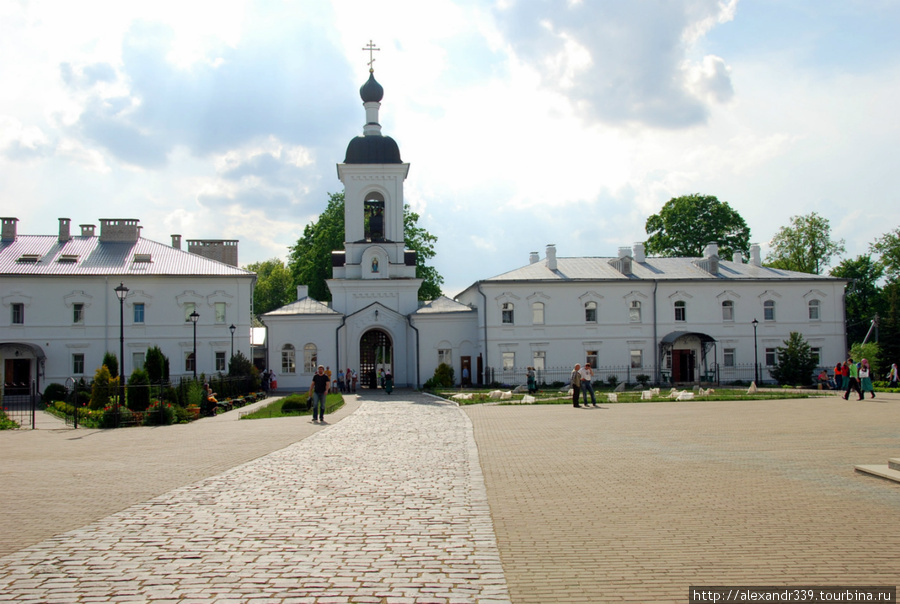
371 48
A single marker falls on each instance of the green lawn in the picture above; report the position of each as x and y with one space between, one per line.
333 402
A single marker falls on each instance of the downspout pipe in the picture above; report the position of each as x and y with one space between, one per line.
484 319
409 320
337 343
655 335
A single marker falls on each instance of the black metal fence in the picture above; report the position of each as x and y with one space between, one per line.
21 404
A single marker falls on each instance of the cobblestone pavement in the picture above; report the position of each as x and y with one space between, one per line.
637 502
387 505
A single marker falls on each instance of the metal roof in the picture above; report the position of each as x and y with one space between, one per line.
304 306
441 305
88 256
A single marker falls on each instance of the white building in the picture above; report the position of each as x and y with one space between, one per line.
61 315
672 319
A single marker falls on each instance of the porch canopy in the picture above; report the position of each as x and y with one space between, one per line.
707 342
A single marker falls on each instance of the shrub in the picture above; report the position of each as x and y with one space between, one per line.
443 378
295 403
642 379
612 380
157 365
160 414
55 392
138 390
794 362
100 389
112 363
111 417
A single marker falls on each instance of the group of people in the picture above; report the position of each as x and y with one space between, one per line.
851 376
582 380
269 381
345 382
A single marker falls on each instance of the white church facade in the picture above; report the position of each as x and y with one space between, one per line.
672 319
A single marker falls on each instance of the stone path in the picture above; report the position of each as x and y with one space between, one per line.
387 505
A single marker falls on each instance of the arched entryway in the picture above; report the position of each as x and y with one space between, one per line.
375 352
688 357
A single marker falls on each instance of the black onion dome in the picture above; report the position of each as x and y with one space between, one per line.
373 149
371 91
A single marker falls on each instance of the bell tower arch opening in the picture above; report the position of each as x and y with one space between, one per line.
373 216
376 353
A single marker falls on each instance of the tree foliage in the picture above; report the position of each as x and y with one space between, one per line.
795 363
156 365
864 298
310 258
888 247
686 224
274 285
805 246
112 363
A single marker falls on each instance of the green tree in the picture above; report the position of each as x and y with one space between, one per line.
112 363
274 285
888 247
889 327
310 258
864 297
870 351
805 246
157 365
794 363
138 390
100 388
686 224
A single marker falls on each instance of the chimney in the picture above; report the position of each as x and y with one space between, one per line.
639 254
533 257
624 251
87 230
176 241
64 229
712 249
302 292
119 230
754 255
221 250
737 258
551 256
9 229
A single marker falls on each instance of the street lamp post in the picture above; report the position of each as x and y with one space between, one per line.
231 329
755 354
121 293
194 316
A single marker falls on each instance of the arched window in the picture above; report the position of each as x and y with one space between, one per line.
288 359
814 310
374 216
634 311
728 310
769 310
506 313
590 312
310 358
537 313
680 311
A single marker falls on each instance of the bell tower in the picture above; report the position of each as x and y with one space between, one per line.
375 264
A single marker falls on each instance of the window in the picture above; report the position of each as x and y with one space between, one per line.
680 308
220 312
18 313
506 313
445 356
667 360
770 357
78 363
288 359
637 359
137 360
139 312
189 309
220 360
813 310
509 361
816 354
728 310
591 357
634 312
729 357
310 358
537 313
769 310
189 362
540 360
590 312
78 313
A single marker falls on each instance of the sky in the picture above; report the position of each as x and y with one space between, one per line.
525 123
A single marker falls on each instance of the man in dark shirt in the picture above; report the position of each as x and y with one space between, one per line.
318 390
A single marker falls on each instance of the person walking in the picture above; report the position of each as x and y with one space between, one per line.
587 384
852 379
355 379
865 379
388 381
318 390
892 376
576 385
532 386
838 376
